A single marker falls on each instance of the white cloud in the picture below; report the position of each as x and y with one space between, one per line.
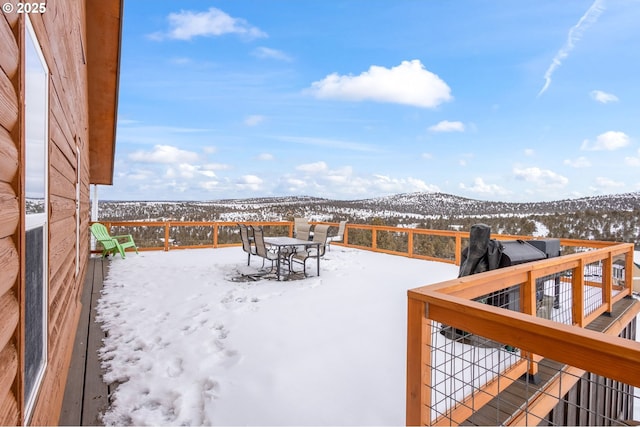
603 97
328 143
447 126
209 185
164 154
295 185
186 25
633 161
250 182
316 167
139 174
580 162
427 156
603 182
268 53
387 184
216 166
187 171
265 156
409 83
608 141
254 120
575 34
541 177
464 159
481 187
343 182
529 152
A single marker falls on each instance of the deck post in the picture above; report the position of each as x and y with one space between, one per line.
374 238
418 364
410 244
607 282
577 290
529 306
628 270
458 254
166 236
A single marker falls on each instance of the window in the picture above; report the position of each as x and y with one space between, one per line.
36 198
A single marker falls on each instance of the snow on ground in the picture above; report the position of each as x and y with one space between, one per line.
191 346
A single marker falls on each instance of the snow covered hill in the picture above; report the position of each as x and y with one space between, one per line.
608 217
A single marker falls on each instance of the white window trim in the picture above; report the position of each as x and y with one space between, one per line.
37 220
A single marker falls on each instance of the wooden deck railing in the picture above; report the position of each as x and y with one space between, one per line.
456 303
435 245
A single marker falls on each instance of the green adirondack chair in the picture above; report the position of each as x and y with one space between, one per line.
112 244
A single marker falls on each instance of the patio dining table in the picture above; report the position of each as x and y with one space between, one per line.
290 243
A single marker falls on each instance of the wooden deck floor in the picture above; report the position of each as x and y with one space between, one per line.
86 395
514 397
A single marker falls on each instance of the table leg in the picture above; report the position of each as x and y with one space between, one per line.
278 264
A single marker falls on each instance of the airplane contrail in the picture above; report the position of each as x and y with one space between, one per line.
575 34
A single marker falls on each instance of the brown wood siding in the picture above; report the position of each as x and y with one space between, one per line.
61 34
68 43
60 31
9 222
9 409
8 156
8 101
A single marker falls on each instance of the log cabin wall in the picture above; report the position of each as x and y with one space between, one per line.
61 33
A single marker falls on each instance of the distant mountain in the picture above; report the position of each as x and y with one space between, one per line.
611 217
447 204
412 204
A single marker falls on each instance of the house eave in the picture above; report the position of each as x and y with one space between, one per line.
104 40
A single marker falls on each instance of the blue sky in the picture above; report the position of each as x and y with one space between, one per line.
494 100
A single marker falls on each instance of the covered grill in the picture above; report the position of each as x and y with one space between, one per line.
484 254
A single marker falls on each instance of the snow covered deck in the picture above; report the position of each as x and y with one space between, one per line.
191 342
188 344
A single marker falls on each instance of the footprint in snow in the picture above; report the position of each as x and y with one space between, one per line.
175 367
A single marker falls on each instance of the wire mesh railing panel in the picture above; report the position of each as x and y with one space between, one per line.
593 283
228 234
191 236
360 237
434 246
508 298
574 249
144 236
619 271
394 241
476 381
462 367
554 297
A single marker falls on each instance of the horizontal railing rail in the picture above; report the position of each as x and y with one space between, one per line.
172 235
435 245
